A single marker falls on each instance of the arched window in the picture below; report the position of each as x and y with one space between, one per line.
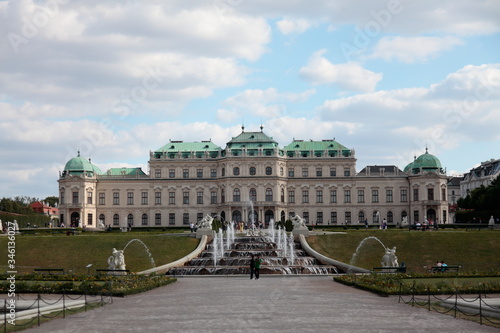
253 194
236 195
390 217
253 171
269 171
144 219
223 172
116 219
404 216
269 194
102 219
223 196
236 171
237 216
376 217
282 195
361 217
130 220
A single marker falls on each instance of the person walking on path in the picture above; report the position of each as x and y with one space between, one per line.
252 267
257 267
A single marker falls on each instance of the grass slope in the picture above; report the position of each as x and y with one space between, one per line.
473 250
76 252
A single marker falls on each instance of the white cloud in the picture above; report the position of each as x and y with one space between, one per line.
349 76
289 26
412 49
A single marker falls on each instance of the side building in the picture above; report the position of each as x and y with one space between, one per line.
252 178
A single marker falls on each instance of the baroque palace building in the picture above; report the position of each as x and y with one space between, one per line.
252 179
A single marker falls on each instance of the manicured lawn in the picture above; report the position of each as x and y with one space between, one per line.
472 250
74 253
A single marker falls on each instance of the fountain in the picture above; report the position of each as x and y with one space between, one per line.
117 260
388 260
271 231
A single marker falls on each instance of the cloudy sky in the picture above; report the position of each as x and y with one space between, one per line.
116 79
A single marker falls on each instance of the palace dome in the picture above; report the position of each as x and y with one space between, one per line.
78 165
424 163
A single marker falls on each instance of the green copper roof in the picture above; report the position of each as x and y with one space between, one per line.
78 165
332 147
252 140
181 146
125 172
425 162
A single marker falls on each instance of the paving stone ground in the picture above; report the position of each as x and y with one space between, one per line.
270 304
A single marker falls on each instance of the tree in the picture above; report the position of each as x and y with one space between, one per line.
52 201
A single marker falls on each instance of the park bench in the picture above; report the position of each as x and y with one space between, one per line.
50 271
112 271
437 269
399 269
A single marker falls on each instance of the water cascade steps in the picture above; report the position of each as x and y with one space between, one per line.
280 256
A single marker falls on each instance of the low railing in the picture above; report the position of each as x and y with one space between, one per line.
467 307
46 307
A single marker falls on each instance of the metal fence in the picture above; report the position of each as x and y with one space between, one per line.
47 306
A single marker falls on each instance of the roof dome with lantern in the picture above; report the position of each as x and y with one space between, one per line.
425 163
79 165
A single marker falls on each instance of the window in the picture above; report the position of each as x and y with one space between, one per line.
444 216
157 198
236 171
361 217
213 198
199 216
347 172
282 195
281 171
305 196
223 196
319 196
185 173
144 198
404 196
305 172
171 173
416 218
333 217
223 172
374 195
89 198
213 173
269 171
253 195
185 218
361 195
347 196
157 173
305 215
388 196
376 217
291 172
252 171
390 217
319 172
199 173
130 198
415 194
319 218
102 219
199 197
430 194
157 219
171 198
89 219
75 197
236 195
144 219
116 219
130 220
443 194
333 172
116 198
185 198
333 196
347 217
62 198
291 196
269 195
171 219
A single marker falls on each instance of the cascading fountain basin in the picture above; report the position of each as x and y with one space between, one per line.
290 259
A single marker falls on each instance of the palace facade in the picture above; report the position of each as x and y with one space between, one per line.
252 178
